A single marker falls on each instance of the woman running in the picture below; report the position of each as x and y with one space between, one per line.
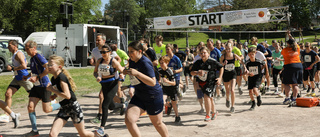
292 69
277 67
205 69
106 74
229 76
148 94
309 61
63 86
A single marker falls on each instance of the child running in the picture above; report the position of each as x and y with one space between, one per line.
169 86
63 86
229 76
253 69
205 69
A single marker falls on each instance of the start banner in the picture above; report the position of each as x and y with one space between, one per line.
250 16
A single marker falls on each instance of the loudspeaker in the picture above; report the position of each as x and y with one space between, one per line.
65 22
81 55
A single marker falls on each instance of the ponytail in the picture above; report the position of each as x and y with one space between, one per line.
70 79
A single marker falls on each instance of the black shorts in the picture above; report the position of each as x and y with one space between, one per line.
187 71
254 82
41 93
72 110
238 71
171 92
229 75
309 74
292 73
207 88
153 106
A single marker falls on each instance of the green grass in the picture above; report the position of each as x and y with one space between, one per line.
83 78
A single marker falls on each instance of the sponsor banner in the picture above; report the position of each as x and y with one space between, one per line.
250 16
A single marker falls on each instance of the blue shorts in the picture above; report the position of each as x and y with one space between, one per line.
152 106
292 73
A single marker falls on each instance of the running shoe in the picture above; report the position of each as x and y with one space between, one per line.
96 120
253 105
240 91
281 95
313 95
4 118
214 115
177 119
259 100
286 101
144 113
16 120
227 103
99 132
262 86
201 110
267 89
276 92
32 134
207 118
217 98
232 109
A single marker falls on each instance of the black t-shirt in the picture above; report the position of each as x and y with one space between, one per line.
211 65
255 67
151 54
62 77
166 74
308 58
181 55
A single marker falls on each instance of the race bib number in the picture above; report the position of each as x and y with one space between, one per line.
254 70
229 67
277 63
104 69
307 58
164 83
204 76
134 81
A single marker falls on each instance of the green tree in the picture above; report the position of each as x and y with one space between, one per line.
301 15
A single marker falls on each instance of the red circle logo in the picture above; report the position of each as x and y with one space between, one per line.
168 22
261 14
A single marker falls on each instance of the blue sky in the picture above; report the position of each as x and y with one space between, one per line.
103 4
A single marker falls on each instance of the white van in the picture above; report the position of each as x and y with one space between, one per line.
46 42
8 37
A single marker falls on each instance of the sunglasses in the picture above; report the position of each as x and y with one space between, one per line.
104 52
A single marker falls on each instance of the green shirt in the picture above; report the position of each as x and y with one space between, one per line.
123 55
276 64
237 51
160 51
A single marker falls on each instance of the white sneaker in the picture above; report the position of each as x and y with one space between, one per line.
53 101
4 118
281 95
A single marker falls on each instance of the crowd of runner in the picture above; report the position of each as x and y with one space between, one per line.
214 68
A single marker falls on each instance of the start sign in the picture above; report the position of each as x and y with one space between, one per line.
250 16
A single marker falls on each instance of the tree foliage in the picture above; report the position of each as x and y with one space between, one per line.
300 10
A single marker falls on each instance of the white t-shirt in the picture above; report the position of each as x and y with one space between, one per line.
96 54
114 54
259 55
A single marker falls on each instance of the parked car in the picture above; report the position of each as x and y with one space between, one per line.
6 55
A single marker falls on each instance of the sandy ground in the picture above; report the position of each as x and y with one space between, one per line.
270 119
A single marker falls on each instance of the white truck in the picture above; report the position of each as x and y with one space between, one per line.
46 42
80 39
